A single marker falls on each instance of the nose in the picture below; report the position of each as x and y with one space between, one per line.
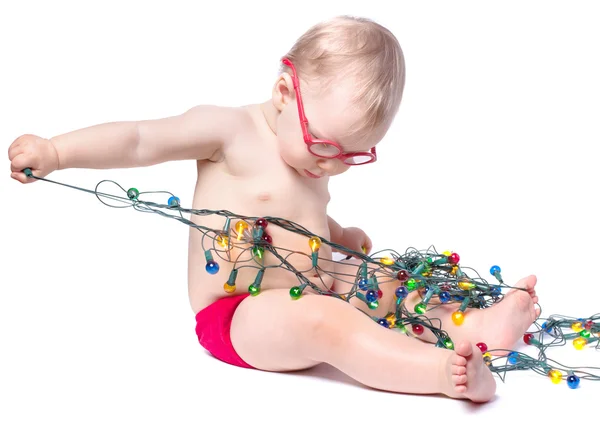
328 166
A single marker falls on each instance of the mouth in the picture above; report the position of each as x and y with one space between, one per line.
311 175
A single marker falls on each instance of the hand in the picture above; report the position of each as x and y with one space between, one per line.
357 240
30 151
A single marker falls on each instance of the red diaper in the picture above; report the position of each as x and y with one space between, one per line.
213 325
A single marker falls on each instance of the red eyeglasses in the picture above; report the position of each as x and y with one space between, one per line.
326 148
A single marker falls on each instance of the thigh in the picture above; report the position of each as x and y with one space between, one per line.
276 333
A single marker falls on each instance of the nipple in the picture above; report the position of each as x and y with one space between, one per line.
264 196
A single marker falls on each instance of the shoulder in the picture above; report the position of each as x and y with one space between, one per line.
212 114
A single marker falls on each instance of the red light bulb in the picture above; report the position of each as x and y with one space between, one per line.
417 329
261 222
454 258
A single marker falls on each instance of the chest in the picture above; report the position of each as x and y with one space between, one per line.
260 185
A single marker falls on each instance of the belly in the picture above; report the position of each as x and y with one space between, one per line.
306 208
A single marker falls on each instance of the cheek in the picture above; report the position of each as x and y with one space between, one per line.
291 144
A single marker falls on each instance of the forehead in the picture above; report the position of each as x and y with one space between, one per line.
332 113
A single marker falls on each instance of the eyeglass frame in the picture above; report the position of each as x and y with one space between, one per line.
309 140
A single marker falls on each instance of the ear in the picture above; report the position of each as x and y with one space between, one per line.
283 91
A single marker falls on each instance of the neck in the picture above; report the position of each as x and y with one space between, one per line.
270 114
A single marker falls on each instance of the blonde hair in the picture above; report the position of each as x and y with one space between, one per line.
364 50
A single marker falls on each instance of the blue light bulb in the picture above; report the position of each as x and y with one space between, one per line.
363 284
212 267
384 323
371 296
494 269
401 292
444 297
573 381
173 201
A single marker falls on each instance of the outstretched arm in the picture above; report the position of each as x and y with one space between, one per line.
196 134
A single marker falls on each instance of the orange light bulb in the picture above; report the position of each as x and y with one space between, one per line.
240 227
314 243
458 318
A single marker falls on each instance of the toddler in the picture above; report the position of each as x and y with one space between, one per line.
336 95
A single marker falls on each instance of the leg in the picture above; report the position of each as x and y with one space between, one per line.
275 333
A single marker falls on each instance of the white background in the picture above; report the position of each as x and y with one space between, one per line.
493 155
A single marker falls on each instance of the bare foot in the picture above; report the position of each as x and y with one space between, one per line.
468 376
499 326
503 324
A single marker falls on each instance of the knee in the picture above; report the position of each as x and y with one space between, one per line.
327 327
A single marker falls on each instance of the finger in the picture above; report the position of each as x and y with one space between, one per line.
22 161
14 150
20 176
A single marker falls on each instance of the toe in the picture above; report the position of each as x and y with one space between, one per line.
461 389
459 379
459 360
464 349
459 370
527 282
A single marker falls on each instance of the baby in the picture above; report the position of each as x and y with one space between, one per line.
333 101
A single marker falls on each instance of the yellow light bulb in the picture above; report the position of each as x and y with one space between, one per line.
579 343
314 243
391 320
454 269
240 227
458 318
465 285
577 326
386 260
447 253
229 288
488 355
223 240
555 376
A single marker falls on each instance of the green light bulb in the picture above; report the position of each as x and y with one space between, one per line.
295 292
420 308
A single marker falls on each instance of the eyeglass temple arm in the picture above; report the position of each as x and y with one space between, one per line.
296 83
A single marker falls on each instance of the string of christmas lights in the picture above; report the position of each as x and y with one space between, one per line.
438 278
